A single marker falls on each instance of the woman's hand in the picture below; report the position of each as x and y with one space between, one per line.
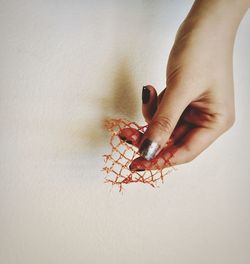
198 104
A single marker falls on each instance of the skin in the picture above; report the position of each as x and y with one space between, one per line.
198 104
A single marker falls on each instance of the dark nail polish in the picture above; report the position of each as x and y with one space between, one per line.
145 95
122 138
125 140
149 149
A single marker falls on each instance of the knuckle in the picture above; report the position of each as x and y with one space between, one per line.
190 154
229 120
189 158
183 160
164 124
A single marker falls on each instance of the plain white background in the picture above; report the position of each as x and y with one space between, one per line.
65 66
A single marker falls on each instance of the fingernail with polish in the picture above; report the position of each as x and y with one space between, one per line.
149 149
145 95
125 139
135 169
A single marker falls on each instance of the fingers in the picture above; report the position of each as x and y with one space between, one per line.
196 141
198 117
172 105
179 133
149 102
131 136
161 161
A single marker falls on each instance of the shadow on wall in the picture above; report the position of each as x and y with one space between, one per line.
120 101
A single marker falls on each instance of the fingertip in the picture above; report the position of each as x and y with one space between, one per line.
139 164
149 102
134 169
145 94
130 135
149 149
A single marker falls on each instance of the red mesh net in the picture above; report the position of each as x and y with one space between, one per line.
122 154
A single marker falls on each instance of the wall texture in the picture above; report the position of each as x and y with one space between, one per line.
64 67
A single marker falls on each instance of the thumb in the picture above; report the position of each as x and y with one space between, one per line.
173 104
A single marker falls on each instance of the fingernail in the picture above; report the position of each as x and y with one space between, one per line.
126 140
148 149
145 95
135 169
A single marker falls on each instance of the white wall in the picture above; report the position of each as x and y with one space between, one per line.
64 67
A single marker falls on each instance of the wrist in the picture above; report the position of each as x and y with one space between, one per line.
219 18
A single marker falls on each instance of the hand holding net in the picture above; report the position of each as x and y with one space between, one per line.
122 165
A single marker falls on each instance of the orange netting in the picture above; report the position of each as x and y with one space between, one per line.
122 154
